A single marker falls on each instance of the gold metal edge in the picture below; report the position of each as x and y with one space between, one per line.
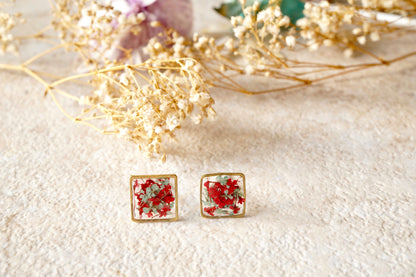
227 173
132 177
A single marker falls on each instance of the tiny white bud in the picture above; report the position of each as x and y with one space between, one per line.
356 31
348 52
249 69
291 41
361 40
375 36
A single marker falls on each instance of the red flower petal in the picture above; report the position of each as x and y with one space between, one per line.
210 210
155 201
168 199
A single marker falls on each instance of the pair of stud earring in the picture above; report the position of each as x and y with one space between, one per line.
155 197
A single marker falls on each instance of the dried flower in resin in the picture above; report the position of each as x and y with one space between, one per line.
154 197
223 195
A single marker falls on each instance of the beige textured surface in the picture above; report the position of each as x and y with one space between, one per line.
331 183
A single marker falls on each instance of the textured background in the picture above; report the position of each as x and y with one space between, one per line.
330 169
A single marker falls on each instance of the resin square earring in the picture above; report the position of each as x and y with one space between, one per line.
223 195
154 197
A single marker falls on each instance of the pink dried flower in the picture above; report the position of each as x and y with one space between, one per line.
171 14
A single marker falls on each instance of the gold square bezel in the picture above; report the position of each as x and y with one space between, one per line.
133 177
229 174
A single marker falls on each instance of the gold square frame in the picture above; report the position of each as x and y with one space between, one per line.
154 177
229 174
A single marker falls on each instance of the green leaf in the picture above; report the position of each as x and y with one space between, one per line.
292 8
155 187
233 7
146 210
229 9
222 179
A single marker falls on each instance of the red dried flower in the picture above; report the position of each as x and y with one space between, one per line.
222 197
147 184
164 211
155 201
149 214
168 199
210 210
216 191
136 184
235 209
154 198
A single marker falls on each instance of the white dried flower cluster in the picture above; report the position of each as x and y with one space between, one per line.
146 103
273 21
93 27
385 5
205 50
258 29
340 25
8 43
270 19
200 48
247 43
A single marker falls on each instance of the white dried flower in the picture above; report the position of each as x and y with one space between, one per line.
375 36
362 40
8 44
356 31
348 52
249 70
291 41
172 122
197 119
229 44
123 133
240 31
182 104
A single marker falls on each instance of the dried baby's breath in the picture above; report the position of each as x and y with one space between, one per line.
402 6
8 42
262 41
341 25
146 102
93 28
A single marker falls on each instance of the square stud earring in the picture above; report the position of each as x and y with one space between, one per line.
223 195
154 198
